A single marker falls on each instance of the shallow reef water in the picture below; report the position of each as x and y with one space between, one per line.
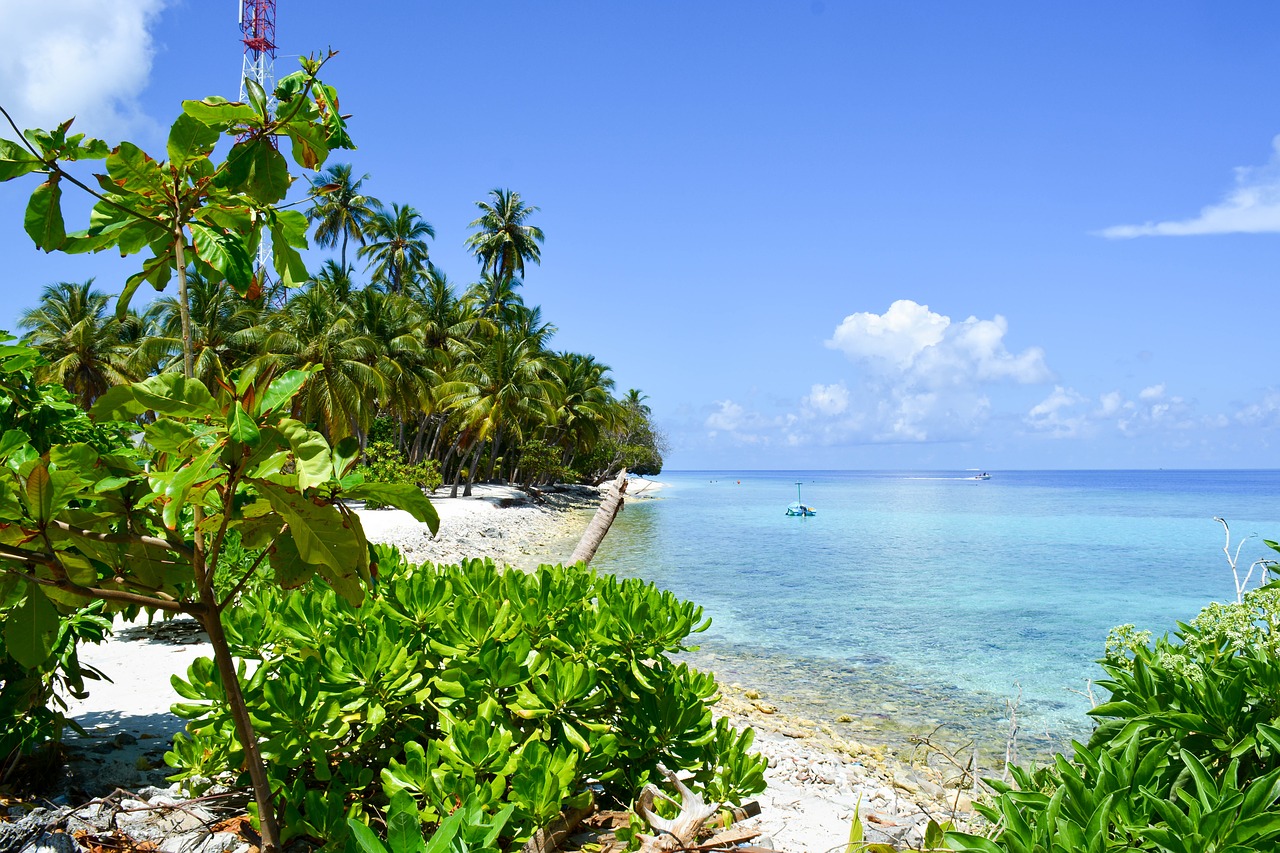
919 600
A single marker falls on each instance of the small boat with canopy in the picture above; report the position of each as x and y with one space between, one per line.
797 507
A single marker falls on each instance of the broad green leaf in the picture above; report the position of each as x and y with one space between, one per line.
133 237
78 568
219 112
31 629
225 252
81 242
404 830
290 569
311 453
345 453
11 441
405 496
287 262
268 177
43 219
132 169
176 396
155 270
257 97
190 139
117 404
241 427
89 149
310 146
75 457
16 160
176 485
168 435
365 838
40 494
318 531
282 390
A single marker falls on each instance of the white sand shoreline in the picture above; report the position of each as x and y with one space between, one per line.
815 780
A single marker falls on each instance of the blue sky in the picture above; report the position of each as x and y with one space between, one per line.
816 234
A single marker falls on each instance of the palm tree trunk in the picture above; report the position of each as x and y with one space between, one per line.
474 468
497 451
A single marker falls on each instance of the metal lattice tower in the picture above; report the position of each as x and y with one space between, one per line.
258 33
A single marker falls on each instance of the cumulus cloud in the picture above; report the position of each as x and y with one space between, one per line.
927 372
85 58
929 348
1066 413
1251 207
1265 413
920 376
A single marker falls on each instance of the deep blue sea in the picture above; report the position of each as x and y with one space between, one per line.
918 599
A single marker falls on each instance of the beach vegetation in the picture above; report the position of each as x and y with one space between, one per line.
1185 755
144 526
511 696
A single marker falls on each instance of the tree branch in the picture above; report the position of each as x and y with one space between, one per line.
123 538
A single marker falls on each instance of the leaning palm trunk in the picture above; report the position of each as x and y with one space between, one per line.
599 526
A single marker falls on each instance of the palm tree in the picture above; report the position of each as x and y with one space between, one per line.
498 395
73 328
316 329
340 210
399 251
225 329
582 406
504 241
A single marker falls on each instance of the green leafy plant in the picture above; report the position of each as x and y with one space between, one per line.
147 529
464 684
383 462
1186 754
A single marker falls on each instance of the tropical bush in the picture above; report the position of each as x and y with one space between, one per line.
1186 754
505 694
383 462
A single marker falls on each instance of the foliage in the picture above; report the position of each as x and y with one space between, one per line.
503 691
45 411
384 463
147 527
540 463
32 686
35 674
466 830
1186 754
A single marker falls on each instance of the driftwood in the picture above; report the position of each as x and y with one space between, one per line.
677 833
600 524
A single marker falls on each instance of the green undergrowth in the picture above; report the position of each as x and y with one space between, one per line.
1186 754
505 695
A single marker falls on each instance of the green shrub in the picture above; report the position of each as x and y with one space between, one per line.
466 685
384 463
32 710
1186 754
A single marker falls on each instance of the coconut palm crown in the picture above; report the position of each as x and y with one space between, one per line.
505 240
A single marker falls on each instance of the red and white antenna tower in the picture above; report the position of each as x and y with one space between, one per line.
258 33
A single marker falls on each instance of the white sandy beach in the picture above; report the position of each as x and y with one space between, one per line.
815 780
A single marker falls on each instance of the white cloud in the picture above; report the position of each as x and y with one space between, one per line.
928 348
1251 207
926 372
85 58
898 336
1264 413
827 399
1066 413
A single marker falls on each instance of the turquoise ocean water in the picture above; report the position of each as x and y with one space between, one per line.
920 599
